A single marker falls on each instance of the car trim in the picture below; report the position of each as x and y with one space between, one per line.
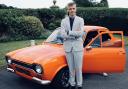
10 70
43 82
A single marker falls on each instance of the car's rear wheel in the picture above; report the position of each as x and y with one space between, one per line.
61 79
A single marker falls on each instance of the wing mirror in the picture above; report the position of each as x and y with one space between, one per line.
88 48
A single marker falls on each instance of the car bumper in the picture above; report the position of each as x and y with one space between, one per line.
43 82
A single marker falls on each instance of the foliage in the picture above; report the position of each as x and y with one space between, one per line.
3 6
11 19
27 26
15 26
91 3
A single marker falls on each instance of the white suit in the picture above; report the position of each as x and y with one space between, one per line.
73 46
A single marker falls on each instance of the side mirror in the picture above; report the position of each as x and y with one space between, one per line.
88 48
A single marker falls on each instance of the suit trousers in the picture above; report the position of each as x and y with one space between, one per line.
75 61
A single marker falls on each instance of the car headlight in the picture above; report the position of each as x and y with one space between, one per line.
9 61
38 69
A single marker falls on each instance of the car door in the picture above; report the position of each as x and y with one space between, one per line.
99 58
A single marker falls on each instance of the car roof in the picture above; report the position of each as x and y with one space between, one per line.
88 28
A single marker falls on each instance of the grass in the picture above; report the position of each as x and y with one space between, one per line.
126 40
10 46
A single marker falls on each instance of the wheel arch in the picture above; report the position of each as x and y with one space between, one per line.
58 70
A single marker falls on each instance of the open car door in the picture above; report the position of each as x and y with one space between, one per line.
105 53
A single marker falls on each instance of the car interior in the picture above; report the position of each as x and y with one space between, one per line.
89 37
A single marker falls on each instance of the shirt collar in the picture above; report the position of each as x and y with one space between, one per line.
72 16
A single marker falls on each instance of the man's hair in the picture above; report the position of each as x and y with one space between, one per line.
71 4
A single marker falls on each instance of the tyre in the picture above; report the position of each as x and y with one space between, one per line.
61 79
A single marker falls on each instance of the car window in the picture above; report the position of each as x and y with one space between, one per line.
55 37
115 41
52 37
106 37
96 43
90 35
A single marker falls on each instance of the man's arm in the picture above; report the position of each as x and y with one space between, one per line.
78 32
64 32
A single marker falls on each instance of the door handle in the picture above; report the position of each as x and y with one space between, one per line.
122 52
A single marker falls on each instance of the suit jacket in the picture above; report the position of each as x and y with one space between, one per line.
72 41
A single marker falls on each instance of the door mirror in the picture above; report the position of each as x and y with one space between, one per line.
88 48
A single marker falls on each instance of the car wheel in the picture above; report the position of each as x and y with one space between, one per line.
61 79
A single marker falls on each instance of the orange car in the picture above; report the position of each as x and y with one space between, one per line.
104 51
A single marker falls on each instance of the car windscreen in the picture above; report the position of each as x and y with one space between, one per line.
53 38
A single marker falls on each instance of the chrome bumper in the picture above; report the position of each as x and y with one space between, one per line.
10 70
43 82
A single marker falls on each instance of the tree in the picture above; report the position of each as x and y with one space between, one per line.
3 6
104 3
83 3
91 3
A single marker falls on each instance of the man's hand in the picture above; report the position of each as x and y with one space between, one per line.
67 32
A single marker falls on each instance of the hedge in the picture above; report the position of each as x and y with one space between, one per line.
27 26
16 26
112 18
47 16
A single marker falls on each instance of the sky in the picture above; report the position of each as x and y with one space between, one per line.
60 3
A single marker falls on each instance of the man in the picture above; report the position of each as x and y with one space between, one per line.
72 28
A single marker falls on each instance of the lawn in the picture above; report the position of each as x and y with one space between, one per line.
126 40
10 46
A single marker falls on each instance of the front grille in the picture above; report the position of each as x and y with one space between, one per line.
23 71
22 64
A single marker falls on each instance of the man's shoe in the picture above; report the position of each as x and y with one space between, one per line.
69 86
79 87
73 87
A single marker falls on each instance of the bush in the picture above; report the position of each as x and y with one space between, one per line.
20 28
54 24
27 26
6 20
11 19
50 16
112 18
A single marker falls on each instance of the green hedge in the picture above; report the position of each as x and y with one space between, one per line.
47 16
15 26
112 18
26 26
6 19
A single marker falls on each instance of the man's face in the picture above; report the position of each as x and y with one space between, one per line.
71 10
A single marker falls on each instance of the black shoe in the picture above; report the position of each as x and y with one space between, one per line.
79 87
73 87
68 86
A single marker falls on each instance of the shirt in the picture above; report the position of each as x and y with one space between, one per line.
71 22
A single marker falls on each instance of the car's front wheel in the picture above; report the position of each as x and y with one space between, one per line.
61 79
